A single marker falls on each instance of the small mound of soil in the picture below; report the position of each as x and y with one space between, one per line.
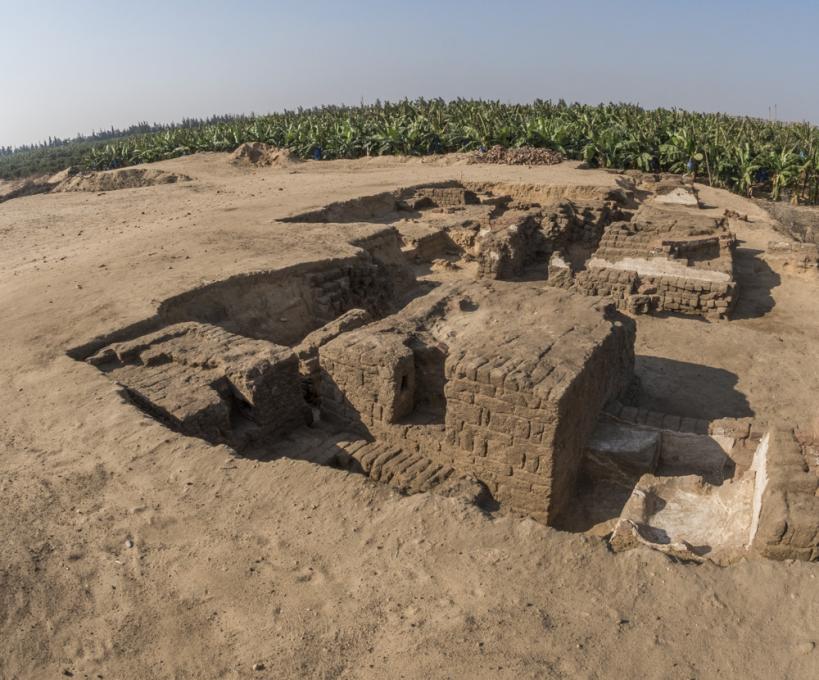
260 154
23 187
40 184
524 155
126 178
799 222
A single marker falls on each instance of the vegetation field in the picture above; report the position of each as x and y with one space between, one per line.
747 155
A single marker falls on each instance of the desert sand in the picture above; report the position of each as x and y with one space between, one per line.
132 551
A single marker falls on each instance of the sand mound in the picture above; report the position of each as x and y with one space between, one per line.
126 178
261 154
524 155
18 188
799 222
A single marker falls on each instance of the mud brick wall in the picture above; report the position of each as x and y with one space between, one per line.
623 239
436 197
584 224
501 255
560 273
693 250
363 284
517 419
198 377
618 284
718 258
527 444
689 296
284 305
788 506
619 242
562 224
593 220
179 397
505 252
367 379
447 197
432 246
644 294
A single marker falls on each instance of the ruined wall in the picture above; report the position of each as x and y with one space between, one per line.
201 380
443 196
367 378
788 516
515 242
431 246
519 426
688 296
645 293
526 444
282 306
583 224
659 266
508 247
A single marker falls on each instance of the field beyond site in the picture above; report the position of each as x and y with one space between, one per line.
747 155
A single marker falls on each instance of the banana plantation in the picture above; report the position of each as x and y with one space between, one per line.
747 155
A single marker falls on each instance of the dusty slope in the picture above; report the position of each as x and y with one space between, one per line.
311 571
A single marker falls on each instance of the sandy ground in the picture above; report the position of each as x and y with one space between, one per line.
129 551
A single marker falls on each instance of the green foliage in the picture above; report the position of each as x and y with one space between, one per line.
742 154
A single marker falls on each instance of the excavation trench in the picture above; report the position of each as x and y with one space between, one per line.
475 345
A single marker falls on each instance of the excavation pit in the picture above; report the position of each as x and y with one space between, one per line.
446 382
697 496
662 255
473 346
495 231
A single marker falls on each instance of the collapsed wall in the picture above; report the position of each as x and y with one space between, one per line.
194 363
511 405
200 380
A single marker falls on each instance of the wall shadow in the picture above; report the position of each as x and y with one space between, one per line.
756 281
689 390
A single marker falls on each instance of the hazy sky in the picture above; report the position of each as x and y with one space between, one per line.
79 65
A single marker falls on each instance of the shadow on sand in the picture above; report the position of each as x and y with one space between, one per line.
689 390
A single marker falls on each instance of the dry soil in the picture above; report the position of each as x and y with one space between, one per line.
131 552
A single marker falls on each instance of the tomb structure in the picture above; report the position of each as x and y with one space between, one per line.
478 340
513 403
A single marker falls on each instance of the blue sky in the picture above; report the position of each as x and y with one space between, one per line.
68 67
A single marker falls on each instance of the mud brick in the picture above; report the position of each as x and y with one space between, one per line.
493 404
654 419
497 376
630 414
515 456
466 438
688 425
671 422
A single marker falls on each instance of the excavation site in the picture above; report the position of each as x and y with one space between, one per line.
265 384
480 343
